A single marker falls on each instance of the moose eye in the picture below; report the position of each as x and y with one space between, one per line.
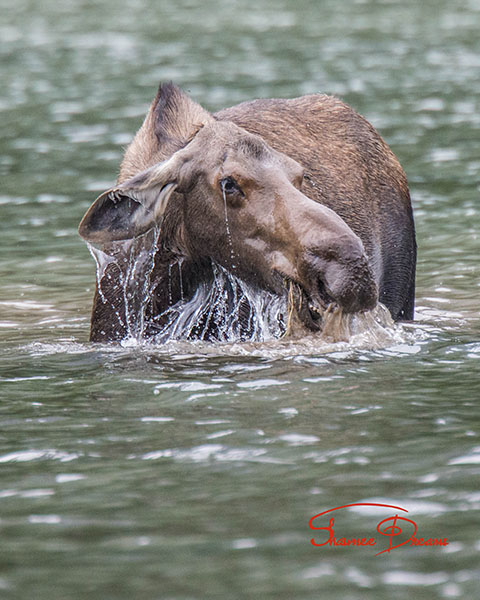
229 186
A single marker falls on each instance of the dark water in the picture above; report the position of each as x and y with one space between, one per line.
190 471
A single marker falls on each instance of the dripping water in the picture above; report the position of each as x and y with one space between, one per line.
133 261
224 308
170 298
102 261
180 277
229 235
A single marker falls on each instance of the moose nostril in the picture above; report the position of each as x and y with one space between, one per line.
350 284
323 294
358 294
321 287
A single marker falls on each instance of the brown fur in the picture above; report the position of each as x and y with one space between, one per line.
283 154
350 169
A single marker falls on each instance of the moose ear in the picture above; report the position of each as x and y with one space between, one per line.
172 121
139 200
132 208
176 117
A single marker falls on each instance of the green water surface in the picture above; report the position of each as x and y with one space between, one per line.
186 473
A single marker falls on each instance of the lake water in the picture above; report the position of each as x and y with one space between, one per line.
192 471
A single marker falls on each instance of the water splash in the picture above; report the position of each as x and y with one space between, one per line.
341 327
125 268
224 309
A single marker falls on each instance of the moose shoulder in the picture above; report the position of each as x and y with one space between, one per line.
296 197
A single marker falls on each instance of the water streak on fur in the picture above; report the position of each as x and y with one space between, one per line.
229 235
224 309
180 277
134 262
102 261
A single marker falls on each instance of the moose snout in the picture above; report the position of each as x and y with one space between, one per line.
339 271
332 264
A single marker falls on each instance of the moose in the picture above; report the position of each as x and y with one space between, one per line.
299 199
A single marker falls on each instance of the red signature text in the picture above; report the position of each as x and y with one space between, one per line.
396 530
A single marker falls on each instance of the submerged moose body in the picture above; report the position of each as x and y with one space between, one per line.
237 224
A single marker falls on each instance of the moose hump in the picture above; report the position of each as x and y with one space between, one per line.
222 225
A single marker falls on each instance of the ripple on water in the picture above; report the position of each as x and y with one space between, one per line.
259 384
187 386
34 455
45 519
473 458
207 453
69 477
406 578
399 338
298 439
413 506
33 493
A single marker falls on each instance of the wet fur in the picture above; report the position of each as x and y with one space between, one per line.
348 168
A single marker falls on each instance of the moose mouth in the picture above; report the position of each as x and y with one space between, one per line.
309 309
